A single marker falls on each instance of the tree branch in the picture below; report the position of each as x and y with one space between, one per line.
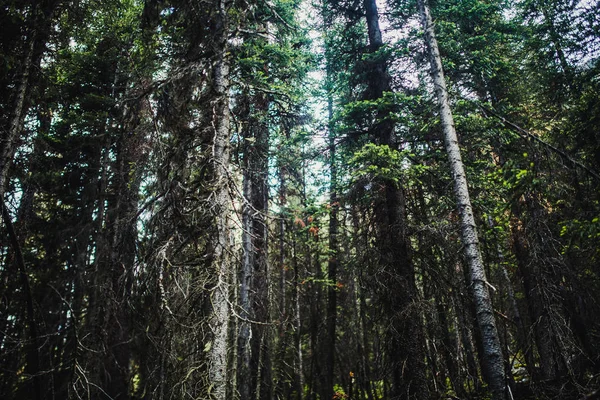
526 134
33 356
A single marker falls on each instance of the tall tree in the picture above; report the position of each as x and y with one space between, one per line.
135 135
405 333
493 361
219 243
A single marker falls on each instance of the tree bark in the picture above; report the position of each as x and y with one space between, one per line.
332 266
244 370
280 364
405 334
493 368
254 360
298 359
8 144
260 243
220 259
41 16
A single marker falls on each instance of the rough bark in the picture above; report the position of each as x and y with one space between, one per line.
10 134
492 359
8 144
315 377
220 260
332 266
364 369
298 359
261 282
405 335
254 371
244 370
280 365
38 31
36 24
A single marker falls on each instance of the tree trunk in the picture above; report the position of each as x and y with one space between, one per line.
131 156
261 346
220 259
405 336
332 266
41 17
245 372
8 142
298 358
254 371
538 288
522 342
315 306
280 368
493 368
363 363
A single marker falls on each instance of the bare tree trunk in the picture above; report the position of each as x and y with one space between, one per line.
280 367
449 347
8 140
8 144
364 370
313 268
298 357
261 280
220 259
493 368
465 337
38 22
254 361
363 349
244 352
332 266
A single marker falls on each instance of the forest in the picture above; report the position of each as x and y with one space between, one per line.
300 200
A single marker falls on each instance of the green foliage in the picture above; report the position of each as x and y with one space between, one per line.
582 230
377 162
120 114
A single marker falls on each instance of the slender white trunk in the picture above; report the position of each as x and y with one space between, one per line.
492 358
219 317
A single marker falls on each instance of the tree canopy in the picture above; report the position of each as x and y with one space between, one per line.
300 200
